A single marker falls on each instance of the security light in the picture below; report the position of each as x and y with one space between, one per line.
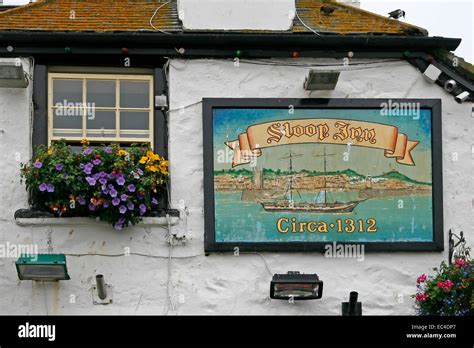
44 267
321 80
297 286
12 76
461 97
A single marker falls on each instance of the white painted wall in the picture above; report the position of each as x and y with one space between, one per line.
236 14
222 283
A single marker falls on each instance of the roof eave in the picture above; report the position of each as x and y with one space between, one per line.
42 40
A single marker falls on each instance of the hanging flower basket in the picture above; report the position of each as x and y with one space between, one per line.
115 185
449 292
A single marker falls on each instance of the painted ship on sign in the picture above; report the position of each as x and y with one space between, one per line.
321 204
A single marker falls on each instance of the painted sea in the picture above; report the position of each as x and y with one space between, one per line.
399 218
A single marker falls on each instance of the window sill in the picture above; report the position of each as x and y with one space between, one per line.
27 217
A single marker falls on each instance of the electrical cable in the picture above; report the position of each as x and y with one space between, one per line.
154 14
134 254
304 24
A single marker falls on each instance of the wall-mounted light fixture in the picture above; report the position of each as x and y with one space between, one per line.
352 308
12 76
42 267
432 73
297 286
321 80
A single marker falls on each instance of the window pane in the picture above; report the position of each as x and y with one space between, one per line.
101 119
134 120
101 93
70 118
134 94
67 92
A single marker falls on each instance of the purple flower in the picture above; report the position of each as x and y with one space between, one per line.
91 180
59 167
142 208
130 206
121 220
103 181
97 162
102 174
106 204
122 209
88 168
154 201
50 187
81 165
131 188
65 176
139 171
118 226
120 180
115 201
88 151
91 206
113 192
123 197
38 164
108 149
105 190
42 187
82 201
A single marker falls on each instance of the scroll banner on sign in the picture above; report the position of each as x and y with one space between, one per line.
325 131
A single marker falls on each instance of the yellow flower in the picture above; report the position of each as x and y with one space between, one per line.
85 141
153 169
50 152
149 154
143 160
156 157
122 152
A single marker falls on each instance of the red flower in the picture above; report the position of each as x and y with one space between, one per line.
421 279
422 297
460 263
446 285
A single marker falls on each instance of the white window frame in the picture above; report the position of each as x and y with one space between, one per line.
104 77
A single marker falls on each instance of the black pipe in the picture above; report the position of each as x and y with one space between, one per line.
353 302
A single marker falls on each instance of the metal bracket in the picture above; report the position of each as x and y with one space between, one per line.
95 295
452 245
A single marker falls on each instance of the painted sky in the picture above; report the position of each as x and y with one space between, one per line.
229 123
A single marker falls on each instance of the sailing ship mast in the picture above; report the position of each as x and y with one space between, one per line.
325 155
290 188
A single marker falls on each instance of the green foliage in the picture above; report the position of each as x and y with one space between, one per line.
399 176
117 186
449 291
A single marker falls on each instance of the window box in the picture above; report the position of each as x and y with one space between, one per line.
108 183
29 217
